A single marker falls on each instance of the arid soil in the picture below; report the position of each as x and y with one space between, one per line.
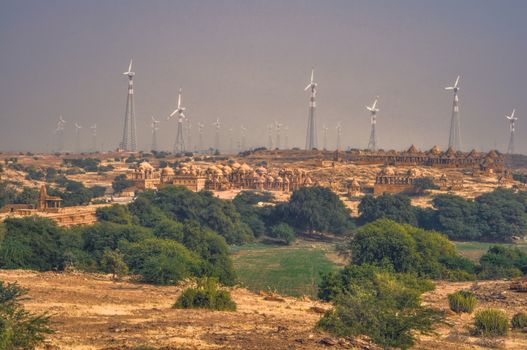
90 311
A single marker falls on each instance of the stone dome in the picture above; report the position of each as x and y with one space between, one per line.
145 166
167 171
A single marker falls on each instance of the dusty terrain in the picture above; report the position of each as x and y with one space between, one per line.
90 311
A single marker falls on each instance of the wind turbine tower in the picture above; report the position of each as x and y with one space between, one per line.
512 126
325 134
339 135
278 127
270 136
155 129
311 137
200 136
188 132
77 138
286 137
179 145
372 143
94 137
60 134
129 141
231 148
217 135
242 138
454 140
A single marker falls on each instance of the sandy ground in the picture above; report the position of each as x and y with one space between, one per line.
90 311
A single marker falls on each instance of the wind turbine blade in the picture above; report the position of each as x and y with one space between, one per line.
307 87
449 88
312 75
374 104
457 81
130 66
512 114
179 99
173 113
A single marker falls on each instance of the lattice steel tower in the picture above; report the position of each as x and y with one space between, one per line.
311 136
129 141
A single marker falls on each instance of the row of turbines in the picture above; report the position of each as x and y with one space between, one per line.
454 140
277 132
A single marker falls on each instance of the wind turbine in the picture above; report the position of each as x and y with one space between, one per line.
512 128
339 135
60 133
242 141
217 135
286 137
277 127
230 140
188 129
270 136
129 140
200 135
179 145
372 143
325 134
94 137
155 129
77 138
454 139
311 136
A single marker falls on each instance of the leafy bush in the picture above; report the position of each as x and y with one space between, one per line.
284 232
206 295
462 301
404 248
160 261
519 320
490 322
113 262
218 215
502 262
31 243
121 182
314 209
19 329
374 302
396 207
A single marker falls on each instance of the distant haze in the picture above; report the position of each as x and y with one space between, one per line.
247 62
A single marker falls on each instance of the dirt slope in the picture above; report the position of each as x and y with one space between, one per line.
92 312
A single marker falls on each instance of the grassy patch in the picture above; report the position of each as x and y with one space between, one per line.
292 270
474 250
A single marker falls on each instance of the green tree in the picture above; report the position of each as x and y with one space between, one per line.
31 243
315 209
284 232
113 262
396 207
19 329
121 182
160 261
374 302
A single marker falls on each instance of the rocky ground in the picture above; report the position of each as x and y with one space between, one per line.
90 311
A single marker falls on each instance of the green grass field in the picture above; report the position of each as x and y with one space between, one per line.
291 270
474 250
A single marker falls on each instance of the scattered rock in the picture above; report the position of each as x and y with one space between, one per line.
317 309
274 298
328 342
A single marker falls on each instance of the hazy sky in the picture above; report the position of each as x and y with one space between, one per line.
247 62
